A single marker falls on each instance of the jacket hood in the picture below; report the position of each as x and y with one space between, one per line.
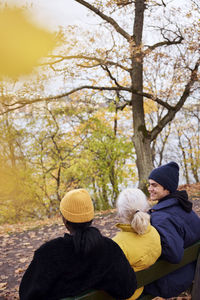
182 198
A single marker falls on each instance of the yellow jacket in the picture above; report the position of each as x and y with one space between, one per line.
141 250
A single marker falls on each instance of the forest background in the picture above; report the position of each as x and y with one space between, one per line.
109 103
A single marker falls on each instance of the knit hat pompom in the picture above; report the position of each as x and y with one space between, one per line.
77 207
167 176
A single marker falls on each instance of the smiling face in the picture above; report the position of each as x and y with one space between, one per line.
156 190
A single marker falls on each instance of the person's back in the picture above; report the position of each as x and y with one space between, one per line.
79 261
138 239
140 250
178 226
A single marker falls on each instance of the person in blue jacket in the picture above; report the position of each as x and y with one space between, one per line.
178 226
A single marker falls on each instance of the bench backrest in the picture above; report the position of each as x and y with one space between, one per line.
162 267
156 271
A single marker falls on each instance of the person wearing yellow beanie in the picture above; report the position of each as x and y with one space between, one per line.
81 260
77 206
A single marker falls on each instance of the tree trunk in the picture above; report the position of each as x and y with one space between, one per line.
141 138
144 159
185 165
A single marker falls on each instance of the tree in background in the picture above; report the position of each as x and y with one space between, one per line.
138 43
46 152
187 133
18 197
105 163
144 54
179 141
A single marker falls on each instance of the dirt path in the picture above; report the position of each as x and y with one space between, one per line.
16 249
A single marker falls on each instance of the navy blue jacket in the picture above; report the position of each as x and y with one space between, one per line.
178 229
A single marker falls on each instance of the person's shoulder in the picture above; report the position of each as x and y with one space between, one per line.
52 244
108 240
112 245
169 203
193 217
193 213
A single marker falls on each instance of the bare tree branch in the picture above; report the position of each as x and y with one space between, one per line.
110 20
163 43
171 112
91 58
105 68
23 102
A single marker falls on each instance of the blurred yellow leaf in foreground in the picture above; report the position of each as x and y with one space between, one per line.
22 43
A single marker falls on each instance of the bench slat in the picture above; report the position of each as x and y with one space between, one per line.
162 267
196 284
145 297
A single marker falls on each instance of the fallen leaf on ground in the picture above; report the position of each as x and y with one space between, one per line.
3 286
19 270
23 260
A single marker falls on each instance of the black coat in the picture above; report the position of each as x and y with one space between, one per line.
57 272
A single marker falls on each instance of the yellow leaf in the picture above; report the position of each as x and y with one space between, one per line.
3 286
19 270
23 260
22 43
150 106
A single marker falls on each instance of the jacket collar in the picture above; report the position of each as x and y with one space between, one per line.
164 204
128 228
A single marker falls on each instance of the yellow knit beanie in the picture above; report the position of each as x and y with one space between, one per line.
77 207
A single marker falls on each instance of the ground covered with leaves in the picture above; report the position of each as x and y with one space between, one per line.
18 243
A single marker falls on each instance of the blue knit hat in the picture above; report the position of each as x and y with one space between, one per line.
167 176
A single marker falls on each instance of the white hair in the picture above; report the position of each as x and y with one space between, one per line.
132 206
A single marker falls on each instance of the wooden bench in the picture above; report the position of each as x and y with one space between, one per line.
156 271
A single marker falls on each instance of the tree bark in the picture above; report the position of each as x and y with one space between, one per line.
141 138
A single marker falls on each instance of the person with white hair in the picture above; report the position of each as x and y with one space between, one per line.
138 239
